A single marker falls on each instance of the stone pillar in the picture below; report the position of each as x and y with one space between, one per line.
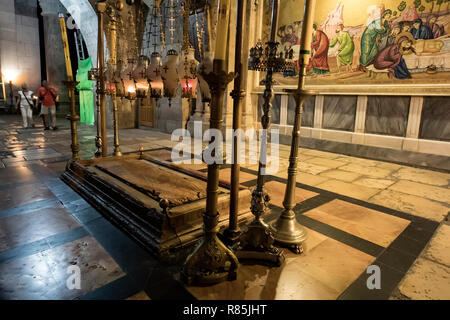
318 118
360 121
411 142
54 52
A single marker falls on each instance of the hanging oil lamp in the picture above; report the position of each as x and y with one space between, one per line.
140 77
170 75
128 81
169 69
154 76
187 66
154 69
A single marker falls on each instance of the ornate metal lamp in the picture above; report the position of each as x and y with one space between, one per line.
128 81
286 229
154 76
139 75
257 242
169 69
170 75
187 66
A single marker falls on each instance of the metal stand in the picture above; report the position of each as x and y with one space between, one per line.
233 232
73 117
101 140
212 262
286 229
113 38
257 242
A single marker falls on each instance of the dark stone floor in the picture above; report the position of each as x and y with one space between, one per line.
47 229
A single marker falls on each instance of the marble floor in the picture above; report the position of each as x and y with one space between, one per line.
357 212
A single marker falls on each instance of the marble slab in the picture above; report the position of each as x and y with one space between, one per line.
387 115
158 181
308 111
435 119
339 112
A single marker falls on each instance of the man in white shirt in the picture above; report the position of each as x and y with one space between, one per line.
26 104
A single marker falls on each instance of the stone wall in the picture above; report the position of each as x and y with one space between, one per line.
413 130
19 43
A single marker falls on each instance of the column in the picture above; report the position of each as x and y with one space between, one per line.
318 118
360 120
411 142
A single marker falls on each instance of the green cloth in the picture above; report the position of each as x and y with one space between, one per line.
346 48
86 95
369 49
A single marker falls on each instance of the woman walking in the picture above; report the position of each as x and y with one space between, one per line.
26 104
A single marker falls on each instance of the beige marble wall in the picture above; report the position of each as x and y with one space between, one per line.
19 44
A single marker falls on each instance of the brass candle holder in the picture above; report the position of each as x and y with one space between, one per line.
99 73
256 243
212 262
232 233
71 85
286 229
112 26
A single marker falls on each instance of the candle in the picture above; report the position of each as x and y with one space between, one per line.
62 24
222 30
306 37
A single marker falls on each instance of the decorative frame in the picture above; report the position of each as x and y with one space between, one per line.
428 65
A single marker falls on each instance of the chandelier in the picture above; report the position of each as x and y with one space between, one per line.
170 75
128 82
263 59
140 77
154 76
187 67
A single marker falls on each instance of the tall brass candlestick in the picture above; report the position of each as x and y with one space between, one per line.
101 139
257 242
71 85
113 37
240 83
212 262
286 229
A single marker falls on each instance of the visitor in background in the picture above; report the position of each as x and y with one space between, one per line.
26 103
48 98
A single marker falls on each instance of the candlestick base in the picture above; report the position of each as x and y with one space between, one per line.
287 231
256 243
211 262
